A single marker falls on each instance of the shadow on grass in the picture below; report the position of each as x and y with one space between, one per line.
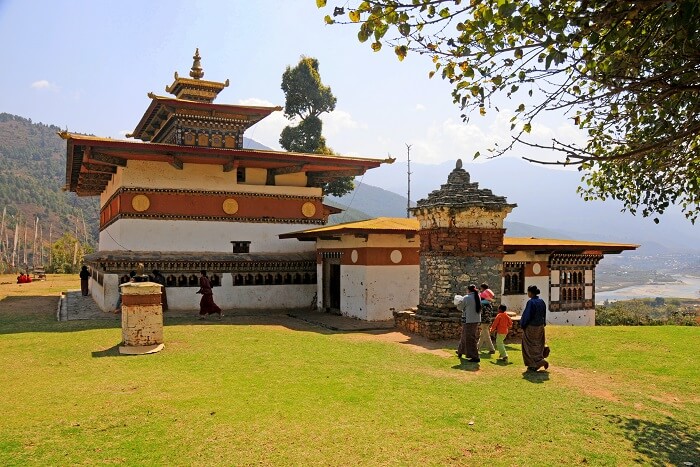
669 442
537 377
21 314
501 362
465 365
110 352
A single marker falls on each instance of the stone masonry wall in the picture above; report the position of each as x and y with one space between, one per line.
441 277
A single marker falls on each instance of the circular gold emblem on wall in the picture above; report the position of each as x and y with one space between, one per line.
140 203
230 206
395 256
308 209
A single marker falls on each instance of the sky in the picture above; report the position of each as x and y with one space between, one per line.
87 66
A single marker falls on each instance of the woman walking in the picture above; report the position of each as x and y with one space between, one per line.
533 322
206 304
471 317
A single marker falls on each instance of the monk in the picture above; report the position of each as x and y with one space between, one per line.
206 304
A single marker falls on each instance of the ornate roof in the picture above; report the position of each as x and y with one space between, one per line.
460 192
91 161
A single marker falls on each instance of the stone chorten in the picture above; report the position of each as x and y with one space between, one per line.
461 243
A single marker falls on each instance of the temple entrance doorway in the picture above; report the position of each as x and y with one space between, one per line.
331 285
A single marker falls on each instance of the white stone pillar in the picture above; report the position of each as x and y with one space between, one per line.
142 318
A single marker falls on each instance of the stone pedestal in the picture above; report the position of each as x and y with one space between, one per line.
142 318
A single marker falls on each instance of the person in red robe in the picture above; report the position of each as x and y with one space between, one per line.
206 304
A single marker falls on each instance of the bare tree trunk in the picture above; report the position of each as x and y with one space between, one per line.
3 244
41 247
14 249
24 258
85 234
50 245
75 252
36 235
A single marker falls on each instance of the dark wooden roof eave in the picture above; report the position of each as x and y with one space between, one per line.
117 152
157 102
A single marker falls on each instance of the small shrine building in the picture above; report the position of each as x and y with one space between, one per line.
411 269
188 197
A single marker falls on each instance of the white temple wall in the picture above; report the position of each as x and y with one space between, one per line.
182 235
106 295
369 292
155 175
97 292
572 317
390 287
353 293
250 297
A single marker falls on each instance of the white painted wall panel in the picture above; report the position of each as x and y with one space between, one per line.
572 318
390 287
174 235
353 291
148 174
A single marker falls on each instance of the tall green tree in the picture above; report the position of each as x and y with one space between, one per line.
67 254
625 72
306 99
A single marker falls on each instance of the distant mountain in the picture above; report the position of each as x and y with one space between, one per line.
252 144
32 175
373 200
547 198
369 201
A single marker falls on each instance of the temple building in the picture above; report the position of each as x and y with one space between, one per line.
410 269
188 197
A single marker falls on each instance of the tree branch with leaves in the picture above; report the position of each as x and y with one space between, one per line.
626 72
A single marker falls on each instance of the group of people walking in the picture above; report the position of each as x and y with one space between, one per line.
479 321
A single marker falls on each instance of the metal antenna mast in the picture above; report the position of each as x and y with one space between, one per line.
408 205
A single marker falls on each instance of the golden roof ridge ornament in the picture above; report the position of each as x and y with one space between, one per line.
195 88
197 72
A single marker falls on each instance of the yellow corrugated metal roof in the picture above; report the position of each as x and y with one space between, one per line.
402 225
379 223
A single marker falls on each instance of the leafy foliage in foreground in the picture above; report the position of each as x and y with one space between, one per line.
626 72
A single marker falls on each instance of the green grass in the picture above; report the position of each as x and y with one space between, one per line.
242 394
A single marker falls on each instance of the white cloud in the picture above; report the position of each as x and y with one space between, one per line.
451 139
43 84
338 122
420 107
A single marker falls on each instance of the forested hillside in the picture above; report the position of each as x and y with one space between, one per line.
32 175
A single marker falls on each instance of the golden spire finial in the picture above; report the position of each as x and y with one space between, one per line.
197 72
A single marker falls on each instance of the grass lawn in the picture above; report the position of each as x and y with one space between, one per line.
279 391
